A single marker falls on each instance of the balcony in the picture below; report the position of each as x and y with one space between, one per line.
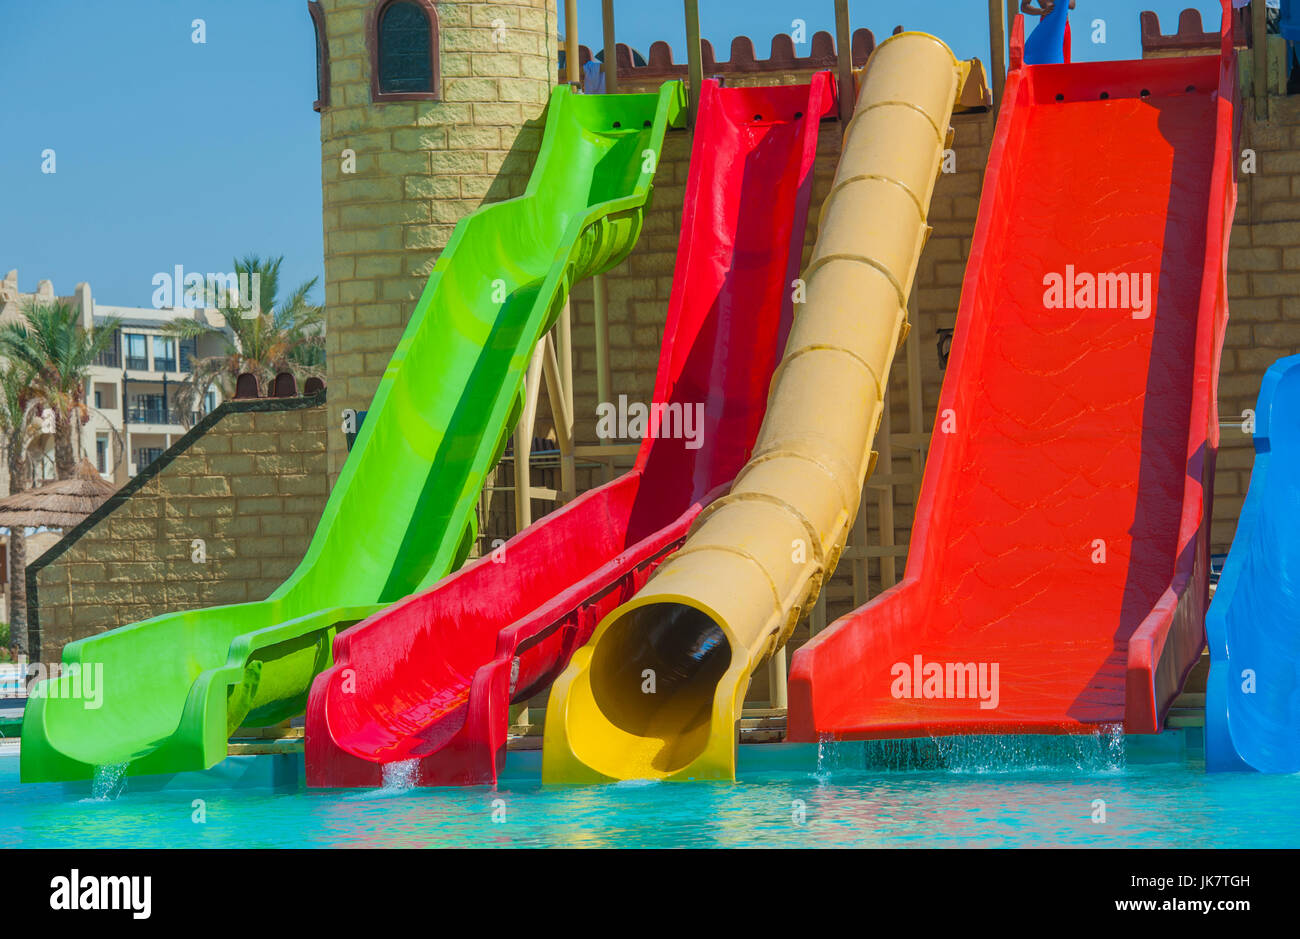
153 415
137 363
143 456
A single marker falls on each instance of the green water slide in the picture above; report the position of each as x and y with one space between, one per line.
165 694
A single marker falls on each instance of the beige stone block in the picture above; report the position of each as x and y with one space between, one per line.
456 162
203 509
487 15
419 138
379 265
441 114
456 65
277 422
229 591
458 39
218 486
254 443
262 506
523 90
498 113
365 241
466 137
534 66
425 236
432 187
1278 335
235 464
173 484
501 64
261 546
357 291
400 164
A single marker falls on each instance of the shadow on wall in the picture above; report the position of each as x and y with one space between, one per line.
511 178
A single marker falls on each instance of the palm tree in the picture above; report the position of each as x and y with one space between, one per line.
274 336
17 404
57 353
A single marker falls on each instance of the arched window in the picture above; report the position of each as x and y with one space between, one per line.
404 51
322 55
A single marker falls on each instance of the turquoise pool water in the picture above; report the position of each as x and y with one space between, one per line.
789 796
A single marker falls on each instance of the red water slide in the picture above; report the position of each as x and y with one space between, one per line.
431 678
1057 574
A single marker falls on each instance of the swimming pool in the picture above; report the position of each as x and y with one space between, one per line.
788 796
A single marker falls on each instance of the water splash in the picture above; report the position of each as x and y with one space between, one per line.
825 753
400 776
109 782
1102 751
637 783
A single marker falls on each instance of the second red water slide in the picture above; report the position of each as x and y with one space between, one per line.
431 678
1057 575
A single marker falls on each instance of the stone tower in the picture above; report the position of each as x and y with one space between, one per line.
420 125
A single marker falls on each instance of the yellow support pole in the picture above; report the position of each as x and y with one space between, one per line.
844 58
604 393
572 71
885 502
915 410
611 48
524 439
1000 21
562 414
694 59
777 675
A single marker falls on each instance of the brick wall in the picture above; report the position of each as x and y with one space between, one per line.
249 480
1263 293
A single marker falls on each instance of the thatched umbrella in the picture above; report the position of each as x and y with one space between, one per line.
63 504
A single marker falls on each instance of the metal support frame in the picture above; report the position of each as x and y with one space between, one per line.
546 365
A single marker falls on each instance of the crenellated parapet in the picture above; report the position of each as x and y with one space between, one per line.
1191 38
782 57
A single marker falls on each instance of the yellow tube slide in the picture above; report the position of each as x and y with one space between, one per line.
657 691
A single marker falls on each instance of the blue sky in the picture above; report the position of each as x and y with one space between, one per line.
168 152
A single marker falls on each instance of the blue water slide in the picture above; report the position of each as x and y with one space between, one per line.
1289 24
1252 706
